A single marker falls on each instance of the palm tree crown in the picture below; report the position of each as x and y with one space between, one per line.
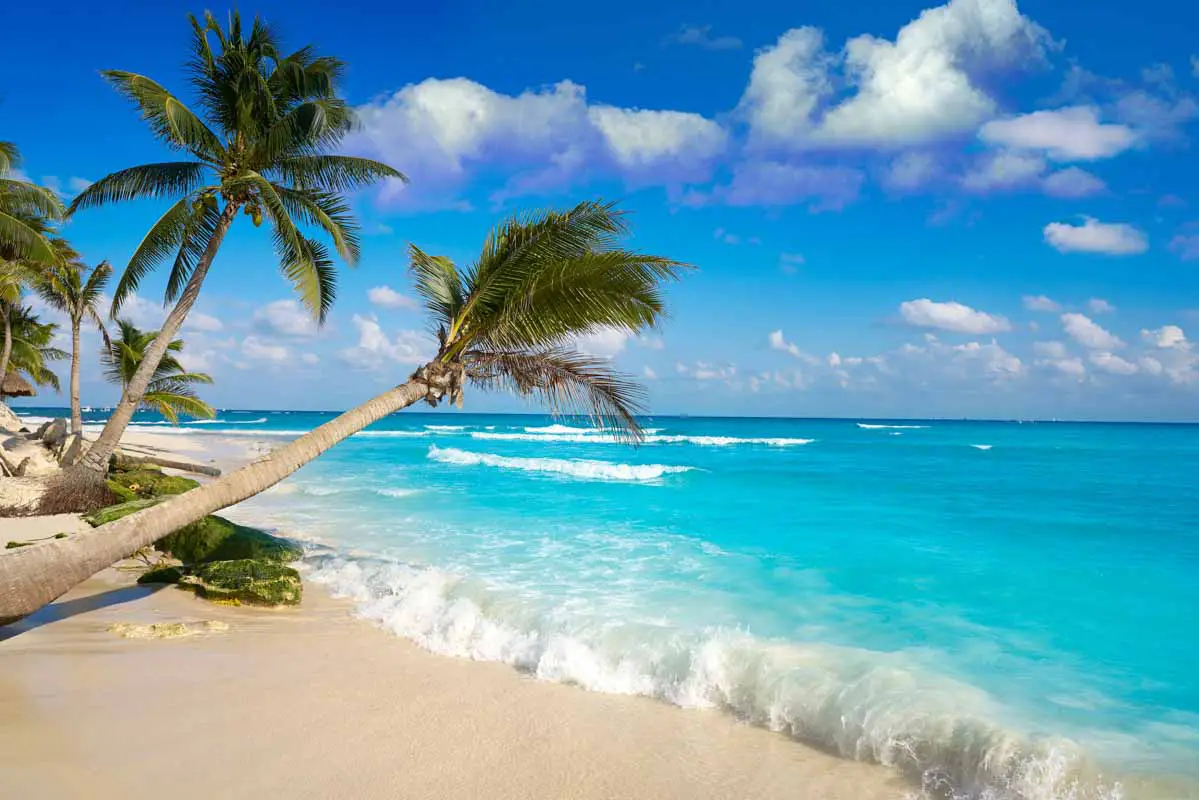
24 210
32 348
511 319
262 147
171 391
64 288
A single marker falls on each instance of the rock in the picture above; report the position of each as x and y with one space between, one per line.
56 433
167 574
113 513
217 539
72 450
41 430
8 420
147 482
167 630
260 583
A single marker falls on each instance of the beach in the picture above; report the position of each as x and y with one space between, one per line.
443 649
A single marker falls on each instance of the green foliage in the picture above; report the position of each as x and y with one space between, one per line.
165 574
64 287
511 319
217 539
261 144
148 482
113 513
25 208
249 581
31 348
171 391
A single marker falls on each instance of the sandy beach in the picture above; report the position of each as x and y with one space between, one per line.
311 702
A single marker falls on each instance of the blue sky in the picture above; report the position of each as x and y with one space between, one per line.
973 209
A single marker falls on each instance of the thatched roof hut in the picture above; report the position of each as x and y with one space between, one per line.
16 386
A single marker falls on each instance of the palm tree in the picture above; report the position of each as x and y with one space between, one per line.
170 391
263 149
22 206
65 289
32 348
507 321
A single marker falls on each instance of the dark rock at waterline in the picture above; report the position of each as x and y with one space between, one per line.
249 581
217 539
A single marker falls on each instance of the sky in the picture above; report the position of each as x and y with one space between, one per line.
977 209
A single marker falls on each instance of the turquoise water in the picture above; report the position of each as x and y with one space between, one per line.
1004 609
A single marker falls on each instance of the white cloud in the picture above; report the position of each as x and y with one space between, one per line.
1098 305
1186 246
1167 337
145 314
1111 363
310 358
604 342
1003 170
439 131
1093 236
374 349
1072 182
910 171
703 371
649 374
951 316
721 235
388 297
1089 334
1040 303
1067 134
913 89
701 36
1055 350
285 318
651 342
1071 367
256 349
777 342
206 323
193 361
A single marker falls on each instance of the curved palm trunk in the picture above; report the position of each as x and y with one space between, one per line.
6 351
95 461
31 577
76 412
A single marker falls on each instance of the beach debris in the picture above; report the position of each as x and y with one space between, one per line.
125 460
167 630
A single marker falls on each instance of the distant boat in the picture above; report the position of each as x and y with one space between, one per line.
86 408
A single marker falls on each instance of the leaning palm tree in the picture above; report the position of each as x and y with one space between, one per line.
508 321
171 390
33 348
64 288
22 204
261 148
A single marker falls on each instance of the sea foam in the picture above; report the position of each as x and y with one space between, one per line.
873 427
573 468
604 437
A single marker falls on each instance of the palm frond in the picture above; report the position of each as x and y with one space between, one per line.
167 116
171 405
198 230
31 198
328 211
23 241
437 280
310 270
164 180
10 157
566 381
334 173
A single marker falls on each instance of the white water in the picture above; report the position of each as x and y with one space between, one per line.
575 468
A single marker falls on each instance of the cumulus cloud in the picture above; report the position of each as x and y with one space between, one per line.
1003 170
649 374
1098 305
1056 350
375 350
1112 363
914 89
1093 236
1041 303
440 131
777 183
909 171
1167 337
1186 246
285 318
310 358
780 343
1088 333
604 342
255 349
1072 182
1067 134
951 316
1070 367
704 371
387 297
205 323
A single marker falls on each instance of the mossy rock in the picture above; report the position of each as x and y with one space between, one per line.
146 482
217 539
167 574
113 513
246 580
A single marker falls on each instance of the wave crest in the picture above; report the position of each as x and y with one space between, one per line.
603 438
574 468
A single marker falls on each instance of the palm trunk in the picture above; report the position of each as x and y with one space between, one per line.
76 413
31 577
6 351
95 461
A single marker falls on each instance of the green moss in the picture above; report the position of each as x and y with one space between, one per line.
217 539
15 545
249 581
146 482
61 535
113 513
162 575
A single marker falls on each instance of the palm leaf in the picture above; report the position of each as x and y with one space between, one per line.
334 173
437 280
170 119
165 180
328 211
23 241
31 198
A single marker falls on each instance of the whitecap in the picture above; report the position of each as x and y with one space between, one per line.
446 428
574 468
397 492
982 446
608 438
872 427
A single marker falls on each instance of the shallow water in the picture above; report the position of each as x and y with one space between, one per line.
1004 610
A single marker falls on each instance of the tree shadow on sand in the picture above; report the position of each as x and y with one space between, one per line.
65 609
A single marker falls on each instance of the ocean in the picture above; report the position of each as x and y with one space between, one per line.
1000 610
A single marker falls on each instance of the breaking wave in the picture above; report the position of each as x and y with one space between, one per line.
573 468
872 427
602 437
